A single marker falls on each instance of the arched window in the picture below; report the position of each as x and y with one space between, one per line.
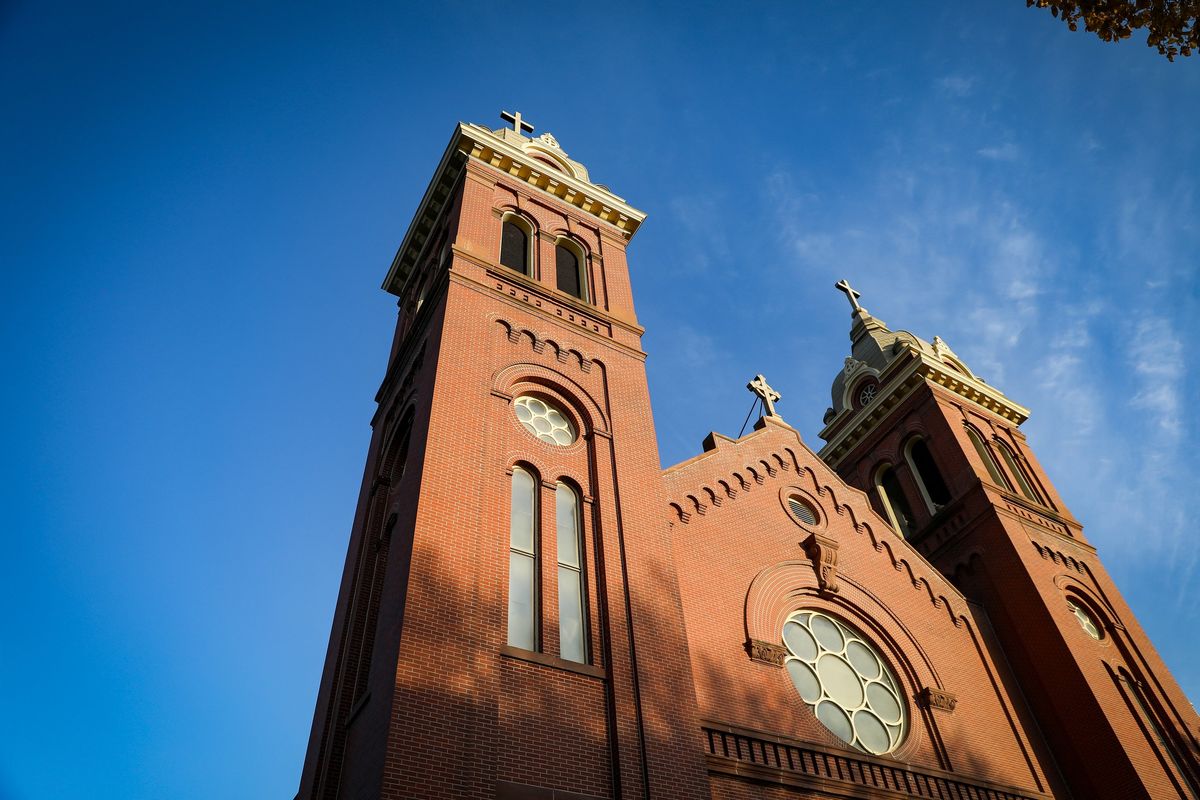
1014 467
522 562
986 457
929 477
515 252
568 268
572 619
894 501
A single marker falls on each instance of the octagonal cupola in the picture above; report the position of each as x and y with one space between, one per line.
883 368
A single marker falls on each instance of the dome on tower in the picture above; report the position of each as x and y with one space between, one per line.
882 365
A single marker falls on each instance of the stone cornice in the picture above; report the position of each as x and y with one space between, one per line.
850 427
432 204
474 141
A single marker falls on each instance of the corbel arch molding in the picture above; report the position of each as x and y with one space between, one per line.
884 540
789 586
510 381
563 351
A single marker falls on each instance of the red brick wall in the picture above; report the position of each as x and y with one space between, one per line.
452 709
1021 561
743 570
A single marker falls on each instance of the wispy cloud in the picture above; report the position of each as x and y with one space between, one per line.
956 85
1004 152
952 252
706 240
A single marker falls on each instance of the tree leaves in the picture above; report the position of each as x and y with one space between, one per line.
1170 24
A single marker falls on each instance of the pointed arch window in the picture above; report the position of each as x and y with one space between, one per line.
522 562
985 456
929 477
1014 467
516 252
568 268
894 501
572 634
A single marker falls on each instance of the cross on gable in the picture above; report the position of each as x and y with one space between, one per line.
761 388
851 294
519 125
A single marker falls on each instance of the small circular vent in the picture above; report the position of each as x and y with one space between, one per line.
802 510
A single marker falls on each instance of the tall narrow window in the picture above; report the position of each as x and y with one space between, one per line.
514 247
522 563
986 458
1159 739
1013 467
570 279
894 501
572 641
927 472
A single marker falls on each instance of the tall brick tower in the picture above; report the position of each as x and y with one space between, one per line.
941 455
510 580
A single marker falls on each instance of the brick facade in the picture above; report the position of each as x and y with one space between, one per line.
689 573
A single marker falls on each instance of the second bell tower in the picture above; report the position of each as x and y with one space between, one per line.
941 455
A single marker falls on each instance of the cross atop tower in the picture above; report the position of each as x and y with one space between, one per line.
851 294
519 125
761 388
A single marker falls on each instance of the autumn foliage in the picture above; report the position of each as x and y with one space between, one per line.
1170 24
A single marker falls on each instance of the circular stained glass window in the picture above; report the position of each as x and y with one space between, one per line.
844 681
544 420
1085 620
867 393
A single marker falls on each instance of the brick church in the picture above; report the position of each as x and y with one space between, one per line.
533 608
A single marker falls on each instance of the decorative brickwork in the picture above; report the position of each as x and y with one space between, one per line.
766 652
936 698
823 551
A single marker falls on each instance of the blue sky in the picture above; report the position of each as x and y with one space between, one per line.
200 201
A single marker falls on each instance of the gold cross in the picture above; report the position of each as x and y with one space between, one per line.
519 125
761 388
851 295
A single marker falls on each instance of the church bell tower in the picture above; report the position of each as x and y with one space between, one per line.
509 579
942 457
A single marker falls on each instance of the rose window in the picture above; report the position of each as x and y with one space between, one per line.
1085 620
544 420
844 681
